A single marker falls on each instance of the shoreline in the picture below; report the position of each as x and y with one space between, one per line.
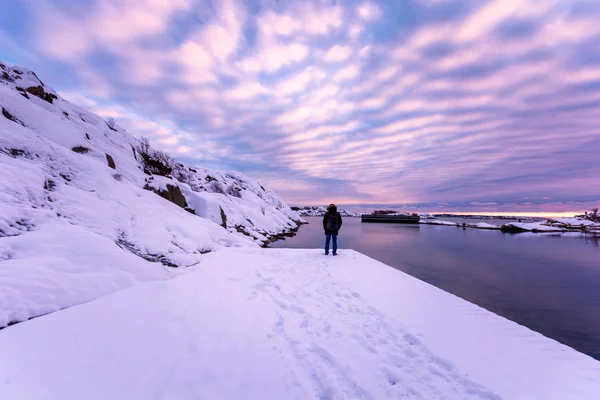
346 326
548 226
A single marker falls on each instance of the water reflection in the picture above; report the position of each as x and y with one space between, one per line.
550 284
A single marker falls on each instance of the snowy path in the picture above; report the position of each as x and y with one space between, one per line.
286 324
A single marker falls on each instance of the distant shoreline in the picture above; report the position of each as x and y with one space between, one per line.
486 216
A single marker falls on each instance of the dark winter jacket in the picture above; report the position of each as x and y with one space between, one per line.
326 218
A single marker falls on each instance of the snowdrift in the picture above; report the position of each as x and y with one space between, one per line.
87 209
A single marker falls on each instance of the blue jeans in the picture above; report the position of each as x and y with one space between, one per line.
327 239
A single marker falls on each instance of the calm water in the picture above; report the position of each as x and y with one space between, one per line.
549 284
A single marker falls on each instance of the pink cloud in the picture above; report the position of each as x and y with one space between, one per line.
337 53
489 16
408 123
246 91
321 130
274 56
299 82
347 73
111 26
369 12
304 19
373 103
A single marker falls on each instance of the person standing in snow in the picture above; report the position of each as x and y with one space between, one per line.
332 222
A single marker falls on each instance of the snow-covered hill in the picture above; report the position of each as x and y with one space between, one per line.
86 208
319 211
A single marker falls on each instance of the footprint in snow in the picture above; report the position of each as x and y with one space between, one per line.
411 339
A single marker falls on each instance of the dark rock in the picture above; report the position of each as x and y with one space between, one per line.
125 244
509 228
291 232
36 91
223 218
87 137
80 149
8 115
41 93
49 185
66 114
241 230
22 92
173 194
49 97
156 166
17 152
111 123
66 177
111 162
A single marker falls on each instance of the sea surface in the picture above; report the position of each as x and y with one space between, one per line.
547 283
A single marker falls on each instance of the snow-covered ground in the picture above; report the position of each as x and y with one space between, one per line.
286 324
80 216
437 222
530 227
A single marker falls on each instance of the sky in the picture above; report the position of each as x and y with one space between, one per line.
432 105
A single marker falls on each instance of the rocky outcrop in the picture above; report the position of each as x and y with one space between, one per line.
319 211
80 149
39 91
27 82
171 193
224 220
232 200
110 161
593 215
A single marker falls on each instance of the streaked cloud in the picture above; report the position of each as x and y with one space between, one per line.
423 103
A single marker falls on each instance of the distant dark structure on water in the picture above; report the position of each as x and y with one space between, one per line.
391 218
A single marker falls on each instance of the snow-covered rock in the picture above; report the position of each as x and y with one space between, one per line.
589 222
319 211
593 215
483 225
427 216
529 227
570 222
71 181
437 222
